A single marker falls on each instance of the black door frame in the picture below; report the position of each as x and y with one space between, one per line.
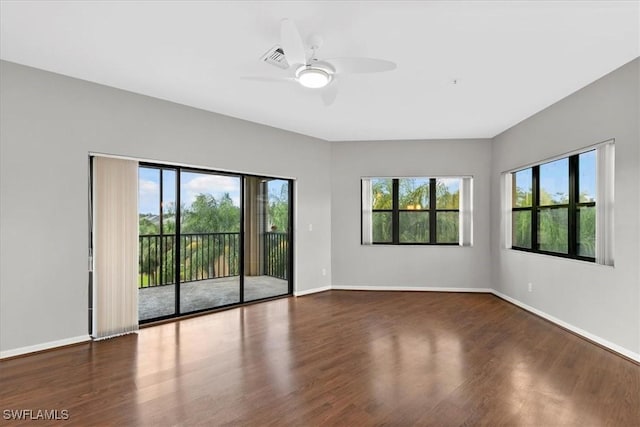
241 176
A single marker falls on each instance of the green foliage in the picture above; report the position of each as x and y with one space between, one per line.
447 226
169 219
522 197
381 227
587 231
521 184
214 256
553 230
204 256
208 215
521 229
552 224
148 269
547 199
414 193
276 255
381 193
278 210
413 198
444 198
156 250
149 224
414 227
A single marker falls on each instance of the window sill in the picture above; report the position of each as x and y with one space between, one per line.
555 257
413 245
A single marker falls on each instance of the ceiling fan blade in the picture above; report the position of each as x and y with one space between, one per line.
329 94
269 79
291 43
361 65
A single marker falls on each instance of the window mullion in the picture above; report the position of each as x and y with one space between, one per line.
535 188
432 211
395 215
178 247
572 218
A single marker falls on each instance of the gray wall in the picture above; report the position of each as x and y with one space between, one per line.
601 300
50 123
408 266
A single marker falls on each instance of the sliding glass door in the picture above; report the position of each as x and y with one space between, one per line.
209 239
156 242
267 238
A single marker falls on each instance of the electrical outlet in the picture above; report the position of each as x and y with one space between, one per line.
324 271
530 287
310 227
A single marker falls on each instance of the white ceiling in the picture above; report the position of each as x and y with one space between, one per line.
511 58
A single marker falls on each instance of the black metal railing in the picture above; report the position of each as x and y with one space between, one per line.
276 254
155 260
204 256
209 255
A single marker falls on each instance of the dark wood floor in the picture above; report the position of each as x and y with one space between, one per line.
336 358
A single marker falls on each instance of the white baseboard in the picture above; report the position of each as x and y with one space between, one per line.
43 346
409 288
614 347
312 291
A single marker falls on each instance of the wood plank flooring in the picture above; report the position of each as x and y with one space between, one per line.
335 358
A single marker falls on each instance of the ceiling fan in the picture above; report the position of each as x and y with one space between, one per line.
308 70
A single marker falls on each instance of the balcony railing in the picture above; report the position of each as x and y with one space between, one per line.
276 254
204 256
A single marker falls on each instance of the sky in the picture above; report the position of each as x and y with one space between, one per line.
192 184
554 176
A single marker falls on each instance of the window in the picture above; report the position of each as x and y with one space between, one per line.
555 206
416 211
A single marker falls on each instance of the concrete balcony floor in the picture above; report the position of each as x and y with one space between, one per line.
159 301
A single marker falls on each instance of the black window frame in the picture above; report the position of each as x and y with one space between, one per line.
572 207
433 211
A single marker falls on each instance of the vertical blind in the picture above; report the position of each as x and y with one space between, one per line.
605 171
466 211
115 247
367 220
506 190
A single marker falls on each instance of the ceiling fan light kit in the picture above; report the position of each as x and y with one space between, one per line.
313 77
